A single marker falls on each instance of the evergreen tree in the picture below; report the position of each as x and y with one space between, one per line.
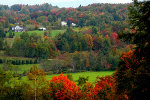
2 33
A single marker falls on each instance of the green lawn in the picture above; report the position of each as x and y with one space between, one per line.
53 33
56 32
30 32
92 75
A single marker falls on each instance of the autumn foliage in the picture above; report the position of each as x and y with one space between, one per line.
62 88
103 90
129 59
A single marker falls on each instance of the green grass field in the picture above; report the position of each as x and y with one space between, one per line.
92 75
53 33
29 32
56 32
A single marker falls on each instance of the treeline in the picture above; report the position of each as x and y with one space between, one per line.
19 62
47 15
87 49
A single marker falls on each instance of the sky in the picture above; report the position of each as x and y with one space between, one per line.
61 3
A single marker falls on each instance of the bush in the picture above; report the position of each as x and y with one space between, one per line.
70 77
82 80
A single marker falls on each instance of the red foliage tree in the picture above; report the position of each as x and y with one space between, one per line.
114 35
103 90
69 19
62 88
129 59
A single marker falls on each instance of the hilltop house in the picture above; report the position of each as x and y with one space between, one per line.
63 23
18 28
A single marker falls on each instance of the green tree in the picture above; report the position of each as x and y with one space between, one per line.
24 36
37 76
11 34
132 78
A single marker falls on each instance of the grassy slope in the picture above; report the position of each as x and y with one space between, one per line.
56 32
53 34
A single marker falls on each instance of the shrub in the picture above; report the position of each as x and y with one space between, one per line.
70 77
82 80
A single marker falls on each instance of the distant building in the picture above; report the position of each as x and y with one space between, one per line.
42 29
63 23
18 28
73 24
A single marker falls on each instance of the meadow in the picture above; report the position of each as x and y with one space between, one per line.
53 33
91 75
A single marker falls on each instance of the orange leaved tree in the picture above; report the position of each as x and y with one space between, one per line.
62 88
103 90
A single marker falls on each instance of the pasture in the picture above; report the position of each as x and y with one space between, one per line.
41 33
92 75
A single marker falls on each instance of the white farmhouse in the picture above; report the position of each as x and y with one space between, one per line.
63 23
73 24
18 28
42 29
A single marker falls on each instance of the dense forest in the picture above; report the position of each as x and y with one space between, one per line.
97 37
